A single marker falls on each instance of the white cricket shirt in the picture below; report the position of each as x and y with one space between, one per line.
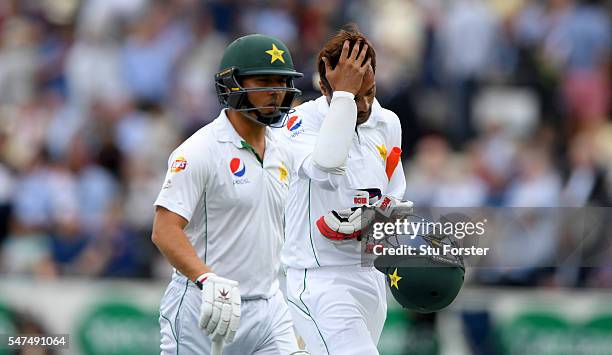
313 193
233 202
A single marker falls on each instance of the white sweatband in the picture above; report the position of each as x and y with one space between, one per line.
336 133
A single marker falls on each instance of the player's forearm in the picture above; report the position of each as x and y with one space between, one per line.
179 252
336 134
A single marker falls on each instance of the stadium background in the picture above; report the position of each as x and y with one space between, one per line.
503 103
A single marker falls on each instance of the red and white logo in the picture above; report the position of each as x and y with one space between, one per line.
237 167
385 203
361 198
179 164
294 123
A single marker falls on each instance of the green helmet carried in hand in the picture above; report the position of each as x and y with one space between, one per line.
256 55
422 283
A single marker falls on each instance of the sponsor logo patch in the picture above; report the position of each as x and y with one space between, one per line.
382 150
237 167
294 126
283 173
238 170
178 165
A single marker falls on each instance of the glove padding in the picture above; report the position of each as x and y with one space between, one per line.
349 223
220 309
341 225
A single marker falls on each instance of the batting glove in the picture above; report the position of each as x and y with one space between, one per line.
341 225
349 223
389 205
220 309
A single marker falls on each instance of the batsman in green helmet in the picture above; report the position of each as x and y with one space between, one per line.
248 68
219 214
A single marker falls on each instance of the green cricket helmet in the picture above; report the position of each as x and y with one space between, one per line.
256 54
422 283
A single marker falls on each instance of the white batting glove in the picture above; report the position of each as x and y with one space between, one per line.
389 205
220 309
341 225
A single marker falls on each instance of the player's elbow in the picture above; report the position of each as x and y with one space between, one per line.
166 226
324 179
329 168
160 233
156 236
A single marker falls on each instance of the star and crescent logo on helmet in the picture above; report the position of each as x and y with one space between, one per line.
276 54
394 278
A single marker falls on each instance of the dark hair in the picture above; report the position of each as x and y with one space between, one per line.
333 48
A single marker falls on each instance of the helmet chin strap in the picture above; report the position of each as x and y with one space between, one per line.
253 116
256 116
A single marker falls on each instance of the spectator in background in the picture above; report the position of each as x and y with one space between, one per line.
28 248
398 45
425 175
151 51
586 180
18 60
495 153
536 183
94 82
196 98
276 20
116 250
145 123
582 44
93 67
466 36
97 191
440 179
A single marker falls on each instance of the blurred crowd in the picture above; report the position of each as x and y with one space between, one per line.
502 103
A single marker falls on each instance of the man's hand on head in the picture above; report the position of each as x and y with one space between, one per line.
348 74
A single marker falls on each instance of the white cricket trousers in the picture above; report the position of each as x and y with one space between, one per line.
338 310
265 324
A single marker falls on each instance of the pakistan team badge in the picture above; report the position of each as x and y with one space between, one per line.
382 150
394 277
276 54
283 173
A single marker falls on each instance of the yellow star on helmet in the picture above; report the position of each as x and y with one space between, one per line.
276 53
394 279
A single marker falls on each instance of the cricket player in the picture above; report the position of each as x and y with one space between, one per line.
219 214
340 146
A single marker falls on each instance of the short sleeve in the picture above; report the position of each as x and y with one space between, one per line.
184 184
